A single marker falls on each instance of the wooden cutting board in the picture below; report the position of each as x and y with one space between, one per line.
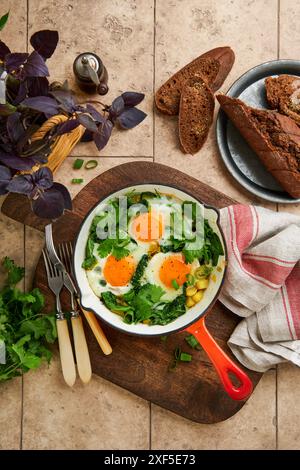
141 365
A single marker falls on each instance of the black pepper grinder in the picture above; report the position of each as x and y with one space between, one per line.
90 73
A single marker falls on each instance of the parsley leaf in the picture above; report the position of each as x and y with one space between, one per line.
14 273
23 329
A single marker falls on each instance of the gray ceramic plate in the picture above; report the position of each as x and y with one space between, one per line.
238 157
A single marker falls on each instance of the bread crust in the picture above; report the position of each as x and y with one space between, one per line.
196 114
283 94
212 67
275 138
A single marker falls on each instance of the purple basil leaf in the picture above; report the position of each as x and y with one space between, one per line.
38 86
65 99
35 66
43 178
22 92
14 127
131 98
102 136
117 107
49 204
130 118
21 184
5 176
43 104
16 163
94 113
87 136
15 60
65 194
44 42
87 122
40 157
67 126
4 50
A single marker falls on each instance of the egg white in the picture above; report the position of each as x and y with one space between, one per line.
151 274
95 275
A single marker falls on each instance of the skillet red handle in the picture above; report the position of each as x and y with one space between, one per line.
222 362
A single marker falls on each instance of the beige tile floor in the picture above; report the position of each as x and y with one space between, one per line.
142 42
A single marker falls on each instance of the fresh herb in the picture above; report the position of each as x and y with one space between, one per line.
27 100
102 282
3 20
114 246
24 330
14 273
176 358
91 164
210 251
190 279
169 311
90 260
78 163
175 284
185 357
203 271
77 181
140 269
113 303
192 342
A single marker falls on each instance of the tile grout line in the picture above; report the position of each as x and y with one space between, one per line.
154 65
153 158
24 259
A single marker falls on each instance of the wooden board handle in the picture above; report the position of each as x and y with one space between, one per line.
66 353
81 350
98 332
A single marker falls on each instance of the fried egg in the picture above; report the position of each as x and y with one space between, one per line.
115 275
169 271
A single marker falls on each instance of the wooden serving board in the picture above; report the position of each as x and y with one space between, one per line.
141 365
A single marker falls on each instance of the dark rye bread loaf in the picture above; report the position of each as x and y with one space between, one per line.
196 114
283 93
275 138
213 67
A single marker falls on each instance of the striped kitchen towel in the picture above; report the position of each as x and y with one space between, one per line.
263 284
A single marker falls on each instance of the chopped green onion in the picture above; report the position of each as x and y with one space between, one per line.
91 164
78 164
175 284
77 181
192 342
102 283
190 279
185 357
177 353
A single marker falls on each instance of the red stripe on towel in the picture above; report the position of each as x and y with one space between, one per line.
292 285
267 270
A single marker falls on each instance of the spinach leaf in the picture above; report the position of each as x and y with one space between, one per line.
140 269
90 260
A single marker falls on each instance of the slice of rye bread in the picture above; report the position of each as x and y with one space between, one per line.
283 93
213 67
196 114
275 138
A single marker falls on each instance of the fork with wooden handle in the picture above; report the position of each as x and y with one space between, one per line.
66 248
81 349
55 282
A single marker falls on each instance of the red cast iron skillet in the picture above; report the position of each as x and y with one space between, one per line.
223 364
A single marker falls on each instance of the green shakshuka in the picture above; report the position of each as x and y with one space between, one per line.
146 269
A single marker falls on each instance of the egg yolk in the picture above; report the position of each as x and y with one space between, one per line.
119 272
148 226
174 269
